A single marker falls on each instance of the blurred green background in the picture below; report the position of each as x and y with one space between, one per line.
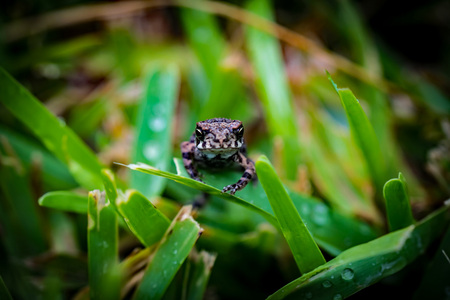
126 81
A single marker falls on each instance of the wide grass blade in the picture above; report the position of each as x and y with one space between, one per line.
154 127
52 132
142 217
398 208
364 265
202 187
102 248
169 255
333 231
304 249
272 87
65 200
363 134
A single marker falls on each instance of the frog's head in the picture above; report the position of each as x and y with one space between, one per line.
219 135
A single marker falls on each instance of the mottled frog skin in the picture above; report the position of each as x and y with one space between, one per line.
218 144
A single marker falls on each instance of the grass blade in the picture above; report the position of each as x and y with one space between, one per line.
363 134
364 265
333 231
65 200
398 208
272 87
143 218
202 187
102 248
154 127
146 222
304 249
171 252
53 133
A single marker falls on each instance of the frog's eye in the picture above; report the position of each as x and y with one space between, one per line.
199 134
240 132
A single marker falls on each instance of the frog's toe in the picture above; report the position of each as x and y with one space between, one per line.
233 188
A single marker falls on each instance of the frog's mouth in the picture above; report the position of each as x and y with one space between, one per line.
218 150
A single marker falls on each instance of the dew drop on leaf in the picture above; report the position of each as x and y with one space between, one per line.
327 284
347 274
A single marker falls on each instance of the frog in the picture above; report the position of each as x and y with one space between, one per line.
218 144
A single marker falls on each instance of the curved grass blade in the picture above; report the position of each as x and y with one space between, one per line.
304 249
398 208
65 200
53 133
363 133
364 265
102 248
272 87
202 187
154 127
170 253
143 218
333 231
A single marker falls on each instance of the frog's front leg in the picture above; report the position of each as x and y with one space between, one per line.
187 152
249 173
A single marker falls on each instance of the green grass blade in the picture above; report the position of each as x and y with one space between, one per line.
171 252
304 249
102 248
4 293
202 187
205 38
146 222
272 87
366 264
363 134
65 200
53 133
200 270
55 174
143 218
333 231
398 208
154 127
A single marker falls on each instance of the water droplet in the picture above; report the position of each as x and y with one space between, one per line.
175 251
156 124
308 295
151 150
337 297
347 274
327 284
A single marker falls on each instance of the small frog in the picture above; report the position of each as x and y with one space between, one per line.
218 144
